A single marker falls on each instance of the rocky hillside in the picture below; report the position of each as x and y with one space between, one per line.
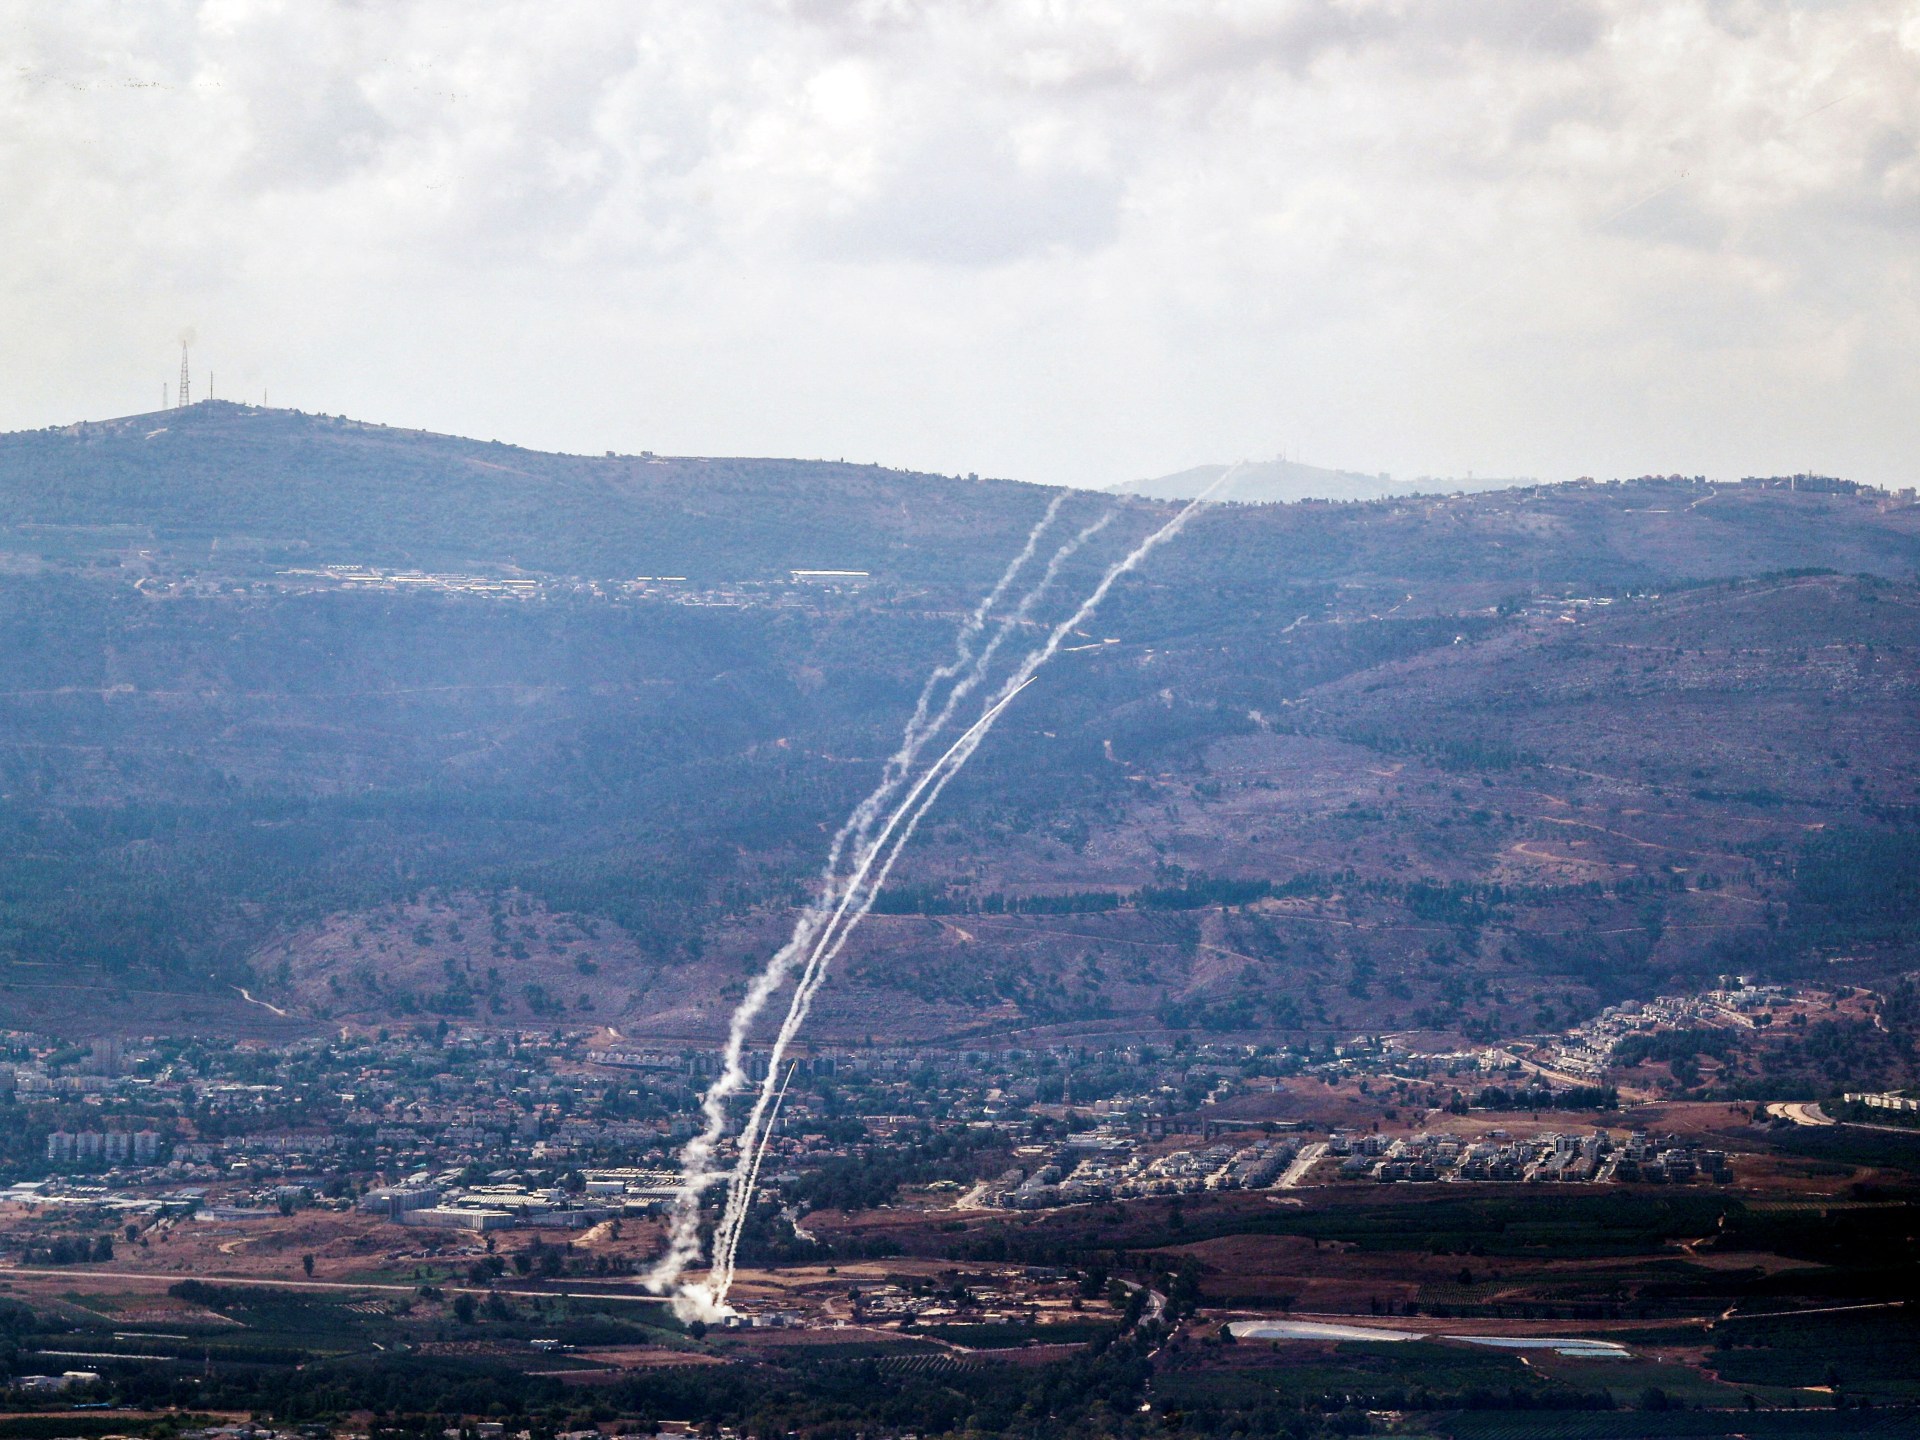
273 684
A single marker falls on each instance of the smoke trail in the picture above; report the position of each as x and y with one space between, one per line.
1009 623
919 728
917 724
1128 562
726 1239
926 792
773 1118
683 1240
705 1298
739 1191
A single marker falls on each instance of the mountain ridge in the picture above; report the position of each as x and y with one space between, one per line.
339 489
1328 765
1279 482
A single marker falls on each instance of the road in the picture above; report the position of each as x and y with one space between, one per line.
248 996
1302 1163
1536 1068
1799 1112
1807 1113
76 1275
1823 1310
1156 1307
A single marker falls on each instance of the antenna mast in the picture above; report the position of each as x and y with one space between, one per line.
186 380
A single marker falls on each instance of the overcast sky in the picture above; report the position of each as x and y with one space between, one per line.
1066 240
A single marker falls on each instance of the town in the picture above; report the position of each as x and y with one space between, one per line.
455 1190
442 1126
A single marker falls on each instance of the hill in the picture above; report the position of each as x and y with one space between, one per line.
1269 482
279 690
286 488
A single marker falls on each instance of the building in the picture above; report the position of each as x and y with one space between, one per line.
1884 1101
46 1384
441 1217
397 1200
115 1147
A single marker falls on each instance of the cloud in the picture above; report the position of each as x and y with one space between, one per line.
1073 239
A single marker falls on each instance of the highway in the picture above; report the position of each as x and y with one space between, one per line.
1801 1113
356 1287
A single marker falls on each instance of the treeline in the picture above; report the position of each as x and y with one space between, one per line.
872 1180
1859 885
1668 1046
70 1250
1102 1390
938 900
1545 1097
1241 1011
1199 893
1467 904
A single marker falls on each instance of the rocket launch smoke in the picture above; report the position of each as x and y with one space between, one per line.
823 940
856 900
858 895
913 808
683 1237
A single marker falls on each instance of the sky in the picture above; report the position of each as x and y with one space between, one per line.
1071 241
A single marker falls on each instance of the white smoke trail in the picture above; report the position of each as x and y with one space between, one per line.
683 1240
773 1118
683 1234
699 1301
919 727
926 792
1009 623
739 1191
917 724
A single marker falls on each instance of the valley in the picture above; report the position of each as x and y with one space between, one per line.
1439 966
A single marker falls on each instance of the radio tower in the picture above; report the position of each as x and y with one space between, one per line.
186 380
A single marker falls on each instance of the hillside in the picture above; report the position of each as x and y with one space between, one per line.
1270 482
1463 764
1493 834
281 487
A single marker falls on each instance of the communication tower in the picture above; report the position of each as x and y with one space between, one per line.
186 380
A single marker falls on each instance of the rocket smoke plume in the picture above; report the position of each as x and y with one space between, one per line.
683 1239
697 1299
857 896
823 937
900 829
773 1117
856 900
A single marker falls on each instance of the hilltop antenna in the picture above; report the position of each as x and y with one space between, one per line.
186 379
